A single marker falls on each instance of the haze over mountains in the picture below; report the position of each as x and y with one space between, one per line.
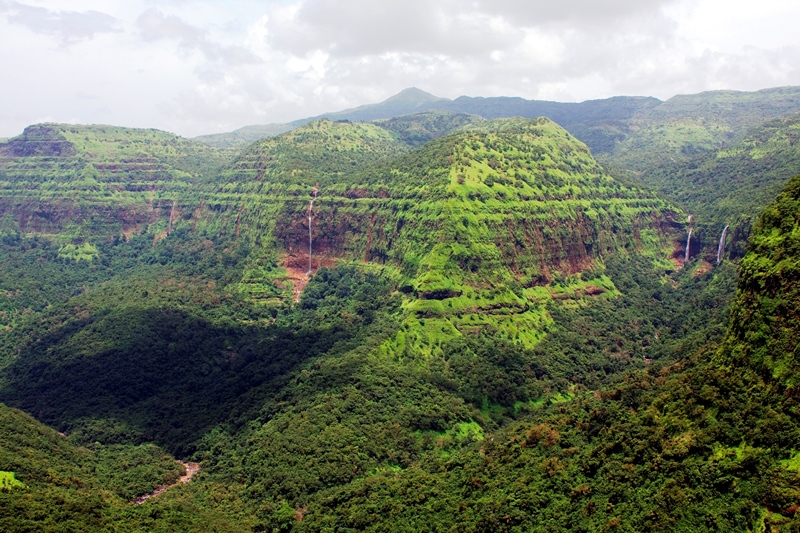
480 314
599 123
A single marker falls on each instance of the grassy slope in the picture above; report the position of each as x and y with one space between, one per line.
486 233
732 185
708 444
687 125
88 182
65 487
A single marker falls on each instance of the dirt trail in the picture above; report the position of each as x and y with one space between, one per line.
191 469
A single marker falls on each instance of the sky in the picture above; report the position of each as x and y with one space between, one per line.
195 67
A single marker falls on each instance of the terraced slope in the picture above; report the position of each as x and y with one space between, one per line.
687 125
479 228
474 226
322 151
732 185
85 182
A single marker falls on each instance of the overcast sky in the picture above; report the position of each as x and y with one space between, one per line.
200 66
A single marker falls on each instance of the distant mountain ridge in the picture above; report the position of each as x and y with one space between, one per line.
582 116
406 102
618 128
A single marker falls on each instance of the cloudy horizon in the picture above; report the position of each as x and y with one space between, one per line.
195 67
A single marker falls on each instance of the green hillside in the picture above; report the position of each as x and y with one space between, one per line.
473 227
730 186
79 182
688 125
322 150
419 128
479 230
52 484
434 322
707 444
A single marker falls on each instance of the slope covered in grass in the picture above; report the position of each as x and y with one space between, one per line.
706 444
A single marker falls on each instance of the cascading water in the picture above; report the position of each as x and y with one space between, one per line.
721 248
688 243
314 192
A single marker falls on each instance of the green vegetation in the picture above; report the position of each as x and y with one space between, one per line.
687 125
56 484
8 481
496 334
417 129
730 186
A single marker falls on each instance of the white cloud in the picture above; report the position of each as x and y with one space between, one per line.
67 26
197 66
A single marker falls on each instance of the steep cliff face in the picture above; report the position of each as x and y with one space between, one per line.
765 323
479 228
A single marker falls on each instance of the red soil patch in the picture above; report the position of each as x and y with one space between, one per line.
191 470
297 267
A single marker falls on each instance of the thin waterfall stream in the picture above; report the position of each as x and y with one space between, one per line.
688 244
721 247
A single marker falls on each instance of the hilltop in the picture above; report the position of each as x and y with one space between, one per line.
428 321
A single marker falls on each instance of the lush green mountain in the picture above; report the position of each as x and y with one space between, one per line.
495 334
730 186
687 125
418 128
456 221
75 182
707 444
322 151
474 227
106 153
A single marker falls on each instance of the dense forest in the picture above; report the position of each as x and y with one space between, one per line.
440 321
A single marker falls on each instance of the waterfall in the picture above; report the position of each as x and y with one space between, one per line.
721 248
314 192
688 243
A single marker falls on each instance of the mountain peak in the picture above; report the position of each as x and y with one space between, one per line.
407 101
413 95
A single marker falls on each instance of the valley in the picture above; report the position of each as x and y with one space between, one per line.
478 314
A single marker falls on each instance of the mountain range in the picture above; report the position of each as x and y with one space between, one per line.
480 314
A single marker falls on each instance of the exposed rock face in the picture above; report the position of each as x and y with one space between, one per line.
40 140
472 223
